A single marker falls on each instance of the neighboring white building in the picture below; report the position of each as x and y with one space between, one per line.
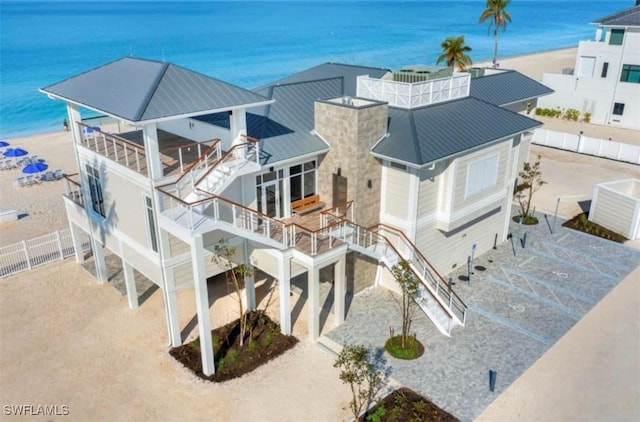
606 78
422 172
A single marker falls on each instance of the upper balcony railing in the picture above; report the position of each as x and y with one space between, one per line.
73 188
418 94
114 147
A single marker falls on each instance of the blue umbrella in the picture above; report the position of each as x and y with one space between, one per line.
15 152
35 167
4 144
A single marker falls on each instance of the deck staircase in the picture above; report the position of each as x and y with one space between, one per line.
389 245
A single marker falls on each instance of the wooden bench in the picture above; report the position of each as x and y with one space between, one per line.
306 205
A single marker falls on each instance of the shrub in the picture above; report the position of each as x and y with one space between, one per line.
586 117
572 114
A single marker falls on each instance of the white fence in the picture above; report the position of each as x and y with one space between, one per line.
32 253
583 144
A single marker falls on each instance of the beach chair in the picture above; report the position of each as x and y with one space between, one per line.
57 175
21 181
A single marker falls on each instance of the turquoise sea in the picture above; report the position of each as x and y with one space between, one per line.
251 43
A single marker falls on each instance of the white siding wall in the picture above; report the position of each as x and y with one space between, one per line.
397 192
614 211
196 130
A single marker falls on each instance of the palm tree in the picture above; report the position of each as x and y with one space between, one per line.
498 16
454 52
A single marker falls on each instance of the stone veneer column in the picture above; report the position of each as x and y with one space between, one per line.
351 131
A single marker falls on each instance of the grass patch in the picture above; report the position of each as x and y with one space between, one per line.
407 405
413 350
529 220
581 222
264 342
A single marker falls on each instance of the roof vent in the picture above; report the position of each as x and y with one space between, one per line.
346 100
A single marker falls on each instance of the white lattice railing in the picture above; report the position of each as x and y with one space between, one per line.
418 94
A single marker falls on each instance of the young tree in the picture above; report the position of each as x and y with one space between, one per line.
454 52
236 275
497 14
531 182
357 370
410 287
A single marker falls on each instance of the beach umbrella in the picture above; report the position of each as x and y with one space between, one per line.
35 167
4 144
15 152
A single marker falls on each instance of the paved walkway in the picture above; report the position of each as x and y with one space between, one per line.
521 301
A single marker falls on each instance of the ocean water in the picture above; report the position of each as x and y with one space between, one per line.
251 43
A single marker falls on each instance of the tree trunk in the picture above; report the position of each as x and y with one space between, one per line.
495 47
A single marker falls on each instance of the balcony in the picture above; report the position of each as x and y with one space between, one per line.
176 153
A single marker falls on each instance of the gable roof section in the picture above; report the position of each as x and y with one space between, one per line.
506 87
327 71
626 17
139 90
421 136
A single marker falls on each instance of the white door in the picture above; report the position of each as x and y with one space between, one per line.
269 196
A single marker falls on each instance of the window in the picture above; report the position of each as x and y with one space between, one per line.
95 189
630 73
586 65
616 36
605 68
482 175
618 108
151 223
302 180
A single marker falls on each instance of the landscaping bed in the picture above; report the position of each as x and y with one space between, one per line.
263 342
405 405
581 222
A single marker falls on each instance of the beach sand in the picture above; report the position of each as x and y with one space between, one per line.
112 364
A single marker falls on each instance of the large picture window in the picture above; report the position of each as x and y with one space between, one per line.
95 189
482 175
630 73
302 180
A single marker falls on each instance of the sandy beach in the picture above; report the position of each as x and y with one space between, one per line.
113 364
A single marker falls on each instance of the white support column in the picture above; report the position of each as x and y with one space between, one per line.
250 282
202 304
130 283
169 289
284 284
314 303
98 259
77 242
152 149
238 125
339 290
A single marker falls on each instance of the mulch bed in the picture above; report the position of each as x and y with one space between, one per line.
581 222
263 342
405 405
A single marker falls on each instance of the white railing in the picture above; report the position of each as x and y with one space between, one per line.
374 242
411 95
114 147
586 145
185 150
32 253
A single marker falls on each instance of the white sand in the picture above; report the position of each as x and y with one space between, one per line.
65 339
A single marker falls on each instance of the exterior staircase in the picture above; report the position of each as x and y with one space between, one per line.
390 245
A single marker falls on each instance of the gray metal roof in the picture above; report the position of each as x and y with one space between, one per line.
284 127
330 70
424 135
138 90
506 88
626 17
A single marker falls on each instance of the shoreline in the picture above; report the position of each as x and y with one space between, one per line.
482 61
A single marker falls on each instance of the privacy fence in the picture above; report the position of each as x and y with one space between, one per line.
586 145
32 253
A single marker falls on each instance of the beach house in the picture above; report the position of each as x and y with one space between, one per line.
337 172
606 78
